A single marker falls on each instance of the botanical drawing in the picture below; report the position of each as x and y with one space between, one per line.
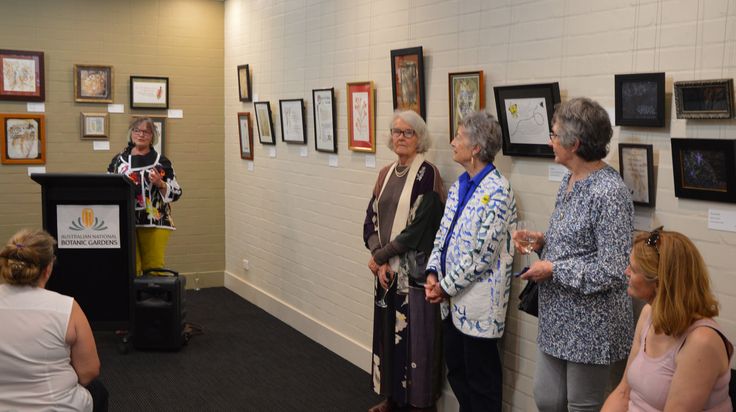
361 127
527 120
19 75
22 138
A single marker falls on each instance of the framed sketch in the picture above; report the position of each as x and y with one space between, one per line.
93 83
245 134
704 169
325 120
265 123
525 113
704 99
467 95
95 125
361 117
244 83
640 99
407 79
148 92
23 138
293 128
159 122
22 76
636 166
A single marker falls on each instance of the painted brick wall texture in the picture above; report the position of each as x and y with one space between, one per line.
298 220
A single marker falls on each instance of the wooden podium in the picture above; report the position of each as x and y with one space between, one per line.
92 218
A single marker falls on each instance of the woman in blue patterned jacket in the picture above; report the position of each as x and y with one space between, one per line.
469 269
585 316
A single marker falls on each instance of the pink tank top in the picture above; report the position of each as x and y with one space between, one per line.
650 378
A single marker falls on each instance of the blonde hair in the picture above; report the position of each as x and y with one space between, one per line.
683 289
25 257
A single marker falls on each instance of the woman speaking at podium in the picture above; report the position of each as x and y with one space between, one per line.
155 189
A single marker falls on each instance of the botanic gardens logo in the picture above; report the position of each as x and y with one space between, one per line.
88 226
88 220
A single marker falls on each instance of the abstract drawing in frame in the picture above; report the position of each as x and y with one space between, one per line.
704 169
636 166
640 99
361 117
704 99
325 120
245 135
525 113
148 92
407 80
293 127
93 83
244 83
23 138
264 122
467 95
95 125
22 76
159 122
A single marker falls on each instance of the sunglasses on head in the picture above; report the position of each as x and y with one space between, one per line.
654 238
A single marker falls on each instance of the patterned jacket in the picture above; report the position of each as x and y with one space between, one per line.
479 257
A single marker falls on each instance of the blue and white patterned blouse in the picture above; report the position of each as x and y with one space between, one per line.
584 312
478 257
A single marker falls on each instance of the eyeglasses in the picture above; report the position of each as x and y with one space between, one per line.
408 133
552 135
140 131
654 238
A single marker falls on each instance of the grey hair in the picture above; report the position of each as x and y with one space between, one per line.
584 120
484 131
417 123
139 121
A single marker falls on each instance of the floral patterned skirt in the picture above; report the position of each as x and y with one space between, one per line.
407 362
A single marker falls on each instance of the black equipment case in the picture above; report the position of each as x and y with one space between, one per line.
159 310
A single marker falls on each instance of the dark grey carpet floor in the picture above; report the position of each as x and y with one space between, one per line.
246 360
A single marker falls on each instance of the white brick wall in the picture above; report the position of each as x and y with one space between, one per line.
299 221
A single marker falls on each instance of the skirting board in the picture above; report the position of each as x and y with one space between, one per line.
331 339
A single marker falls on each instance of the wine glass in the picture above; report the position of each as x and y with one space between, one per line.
381 303
526 227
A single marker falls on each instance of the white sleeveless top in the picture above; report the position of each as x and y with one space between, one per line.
35 367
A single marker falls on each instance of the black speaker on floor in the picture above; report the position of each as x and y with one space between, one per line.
159 310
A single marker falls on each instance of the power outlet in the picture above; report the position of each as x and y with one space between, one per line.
246 264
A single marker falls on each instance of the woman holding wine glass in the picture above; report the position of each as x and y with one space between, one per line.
585 315
401 220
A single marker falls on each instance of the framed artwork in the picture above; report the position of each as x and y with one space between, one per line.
636 166
407 79
265 123
704 99
704 169
325 120
244 83
23 138
640 99
525 113
361 117
22 76
467 95
95 125
159 122
93 83
148 92
245 134
293 128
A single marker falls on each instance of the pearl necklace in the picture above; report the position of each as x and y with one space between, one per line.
402 173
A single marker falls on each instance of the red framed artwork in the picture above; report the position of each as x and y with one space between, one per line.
22 76
361 117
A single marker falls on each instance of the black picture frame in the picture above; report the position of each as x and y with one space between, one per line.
324 114
264 120
149 92
244 90
704 99
704 169
407 80
245 135
525 113
636 166
293 126
640 99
